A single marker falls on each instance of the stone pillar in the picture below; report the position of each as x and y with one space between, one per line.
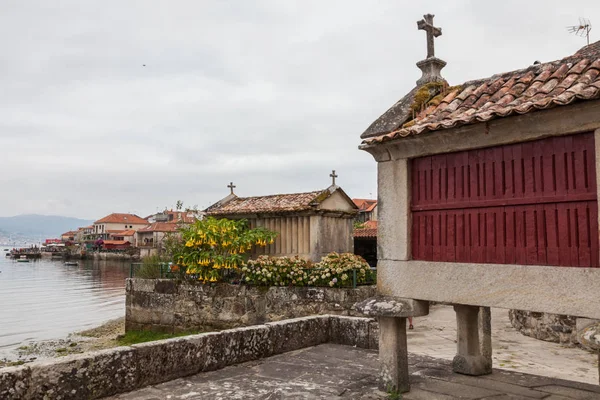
393 354
474 356
393 210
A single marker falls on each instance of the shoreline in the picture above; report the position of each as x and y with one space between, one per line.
103 336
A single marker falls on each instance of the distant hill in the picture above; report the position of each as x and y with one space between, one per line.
40 225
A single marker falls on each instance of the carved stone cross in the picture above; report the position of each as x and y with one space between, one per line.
426 24
333 176
231 186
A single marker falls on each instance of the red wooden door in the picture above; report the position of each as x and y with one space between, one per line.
528 203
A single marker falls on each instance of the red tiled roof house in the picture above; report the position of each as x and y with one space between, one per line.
116 223
310 224
488 197
150 238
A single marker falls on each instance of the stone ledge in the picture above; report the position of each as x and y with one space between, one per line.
122 369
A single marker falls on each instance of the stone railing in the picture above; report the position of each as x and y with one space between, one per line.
122 369
170 306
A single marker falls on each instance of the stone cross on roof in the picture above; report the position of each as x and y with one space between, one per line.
426 24
231 186
333 176
431 66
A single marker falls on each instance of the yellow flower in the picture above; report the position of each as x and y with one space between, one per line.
189 243
213 279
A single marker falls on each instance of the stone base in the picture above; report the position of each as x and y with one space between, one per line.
471 365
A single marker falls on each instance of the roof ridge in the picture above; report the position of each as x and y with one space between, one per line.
535 87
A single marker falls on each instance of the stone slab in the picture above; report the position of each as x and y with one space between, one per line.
523 287
389 306
323 372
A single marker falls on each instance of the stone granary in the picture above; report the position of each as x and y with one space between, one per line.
488 197
309 225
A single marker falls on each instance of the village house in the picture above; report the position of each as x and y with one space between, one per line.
150 239
68 236
501 170
116 223
367 210
365 230
177 216
126 236
309 225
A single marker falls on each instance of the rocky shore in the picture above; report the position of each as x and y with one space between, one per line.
102 337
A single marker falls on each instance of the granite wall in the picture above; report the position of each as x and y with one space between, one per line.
168 305
544 326
122 369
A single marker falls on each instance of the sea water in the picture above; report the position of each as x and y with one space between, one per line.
45 299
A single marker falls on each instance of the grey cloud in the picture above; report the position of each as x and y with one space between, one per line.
270 94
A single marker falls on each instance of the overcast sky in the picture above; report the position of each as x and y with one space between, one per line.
271 95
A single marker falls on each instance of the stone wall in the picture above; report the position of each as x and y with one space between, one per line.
544 326
122 369
171 306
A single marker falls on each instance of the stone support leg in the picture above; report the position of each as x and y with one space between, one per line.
393 354
474 354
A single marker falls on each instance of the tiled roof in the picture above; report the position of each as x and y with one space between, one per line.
267 204
366 205
129 232
538 87
69 233
369 230
115 242
160 227
117 218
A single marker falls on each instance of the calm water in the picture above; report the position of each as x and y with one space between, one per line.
45 299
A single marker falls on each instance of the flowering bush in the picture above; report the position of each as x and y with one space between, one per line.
211 244
337 270
277 271
334 270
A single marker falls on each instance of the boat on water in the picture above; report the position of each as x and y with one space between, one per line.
5 249
23 259
71 263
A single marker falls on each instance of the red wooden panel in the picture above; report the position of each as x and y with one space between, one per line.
451 241
583 233
531 235
510 235
526 203
541 234
593 212
552 233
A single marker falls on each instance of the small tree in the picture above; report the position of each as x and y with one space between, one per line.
211 245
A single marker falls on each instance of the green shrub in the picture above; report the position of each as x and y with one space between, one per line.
151 267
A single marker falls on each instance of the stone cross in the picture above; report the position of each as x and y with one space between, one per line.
426 24
231 186
333 176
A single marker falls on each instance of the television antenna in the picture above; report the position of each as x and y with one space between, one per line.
583 29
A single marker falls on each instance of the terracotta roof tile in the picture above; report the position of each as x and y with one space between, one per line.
365 204
160 227
115 242
129 232
369 230
267 204
538 87
117 218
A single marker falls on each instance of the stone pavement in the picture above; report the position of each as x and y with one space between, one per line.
331 371
435 335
